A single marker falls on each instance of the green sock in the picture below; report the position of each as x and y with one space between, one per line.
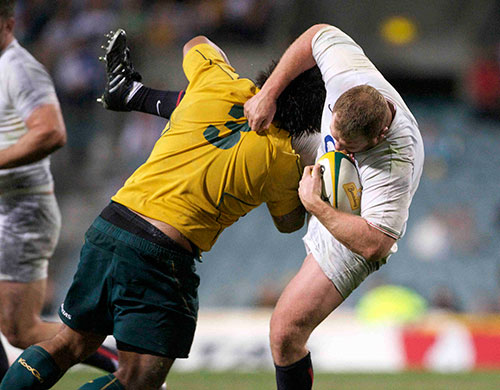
34 369
108 382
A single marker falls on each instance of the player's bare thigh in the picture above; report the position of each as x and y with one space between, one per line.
305 302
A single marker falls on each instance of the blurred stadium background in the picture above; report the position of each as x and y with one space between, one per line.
444 58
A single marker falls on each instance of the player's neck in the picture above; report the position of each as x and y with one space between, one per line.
6 42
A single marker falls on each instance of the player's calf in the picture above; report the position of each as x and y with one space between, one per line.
34 369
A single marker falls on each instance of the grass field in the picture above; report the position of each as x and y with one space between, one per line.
488 380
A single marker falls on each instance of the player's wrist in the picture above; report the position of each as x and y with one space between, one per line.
273 87
317 206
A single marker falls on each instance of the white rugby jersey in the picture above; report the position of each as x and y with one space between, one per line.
389 172
24 85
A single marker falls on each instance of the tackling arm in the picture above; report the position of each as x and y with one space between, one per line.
351 230
46 133
298 58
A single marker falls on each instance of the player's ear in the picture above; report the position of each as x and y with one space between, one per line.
10 25
383 133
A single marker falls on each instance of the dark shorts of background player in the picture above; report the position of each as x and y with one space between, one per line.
135 283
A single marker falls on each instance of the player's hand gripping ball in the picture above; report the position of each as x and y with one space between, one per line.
341 186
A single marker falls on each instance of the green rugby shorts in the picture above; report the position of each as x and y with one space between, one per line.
144 294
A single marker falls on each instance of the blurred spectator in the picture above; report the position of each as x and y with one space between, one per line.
95 19
78 77
429 238
462 227
163 26
483 83
35 14
444 232
246 20
267 294
77 72
55 38
137 138
132 16
444 299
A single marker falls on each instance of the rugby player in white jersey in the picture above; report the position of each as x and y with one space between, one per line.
365 116
31 128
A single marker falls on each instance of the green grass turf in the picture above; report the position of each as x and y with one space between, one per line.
487 380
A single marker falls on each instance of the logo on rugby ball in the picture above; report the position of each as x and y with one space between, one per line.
341 184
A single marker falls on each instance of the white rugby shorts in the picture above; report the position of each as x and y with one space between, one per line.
29 230
343 267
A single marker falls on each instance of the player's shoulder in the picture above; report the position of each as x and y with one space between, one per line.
404 125
328 34
202 53
403 143
8 56
278 139
15 57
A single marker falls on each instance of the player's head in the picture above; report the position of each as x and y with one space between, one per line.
360 119
6 21
299 106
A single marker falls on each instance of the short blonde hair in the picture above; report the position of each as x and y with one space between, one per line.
361 112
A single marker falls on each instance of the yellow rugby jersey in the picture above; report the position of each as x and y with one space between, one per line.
208 169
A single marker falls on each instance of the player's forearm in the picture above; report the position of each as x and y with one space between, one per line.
46 133
297 59
30 148
353 232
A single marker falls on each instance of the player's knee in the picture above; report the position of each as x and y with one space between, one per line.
284 337
14 334
18 339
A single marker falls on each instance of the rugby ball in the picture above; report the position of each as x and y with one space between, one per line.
341 186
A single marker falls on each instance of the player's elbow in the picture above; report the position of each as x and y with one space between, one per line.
290 228
374 254
319 26
50 139
377 245
291 222
56 138
379 250
316 27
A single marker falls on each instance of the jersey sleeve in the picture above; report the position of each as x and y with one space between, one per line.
28 85
204 64
387 192
335 53
281 188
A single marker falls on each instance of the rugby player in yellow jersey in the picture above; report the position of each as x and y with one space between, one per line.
136 278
